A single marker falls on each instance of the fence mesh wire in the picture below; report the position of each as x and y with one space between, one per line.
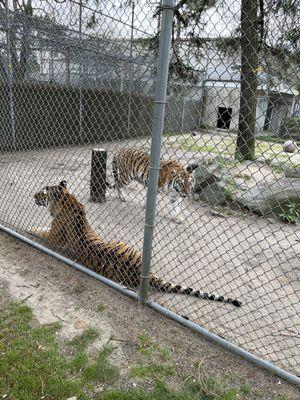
78 75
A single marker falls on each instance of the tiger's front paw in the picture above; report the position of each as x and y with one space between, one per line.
37 231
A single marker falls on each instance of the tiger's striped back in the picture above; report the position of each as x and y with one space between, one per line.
134 164
130 164
112 259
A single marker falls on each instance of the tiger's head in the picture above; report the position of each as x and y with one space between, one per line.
50 194
183 181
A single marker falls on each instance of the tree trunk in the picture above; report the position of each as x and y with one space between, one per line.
245 144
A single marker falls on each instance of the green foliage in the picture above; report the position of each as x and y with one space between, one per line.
291 126
229 189
291 213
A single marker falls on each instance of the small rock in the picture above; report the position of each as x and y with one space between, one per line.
290 146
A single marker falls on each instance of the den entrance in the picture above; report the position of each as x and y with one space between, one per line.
224 117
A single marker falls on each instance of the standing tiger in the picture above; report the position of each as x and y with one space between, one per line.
134 164
112 259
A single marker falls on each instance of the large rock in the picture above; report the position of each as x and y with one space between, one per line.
214 194
204 177
271 199
208 186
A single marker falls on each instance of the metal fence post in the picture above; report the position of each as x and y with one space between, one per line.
129 125
10 77
157 129
80 74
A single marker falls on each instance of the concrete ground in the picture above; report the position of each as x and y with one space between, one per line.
242 256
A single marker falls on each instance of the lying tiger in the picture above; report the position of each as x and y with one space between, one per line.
134 164
114 260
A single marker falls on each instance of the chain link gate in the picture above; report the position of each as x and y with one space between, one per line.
80 75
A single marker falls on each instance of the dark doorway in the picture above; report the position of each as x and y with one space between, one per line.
224 117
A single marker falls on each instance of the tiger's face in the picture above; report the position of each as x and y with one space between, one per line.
183 184
184 181
49 194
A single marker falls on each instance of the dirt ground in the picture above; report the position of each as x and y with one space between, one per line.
241 256
57 292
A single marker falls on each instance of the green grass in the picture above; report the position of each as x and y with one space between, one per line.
148 347
101 308
101 370
206 389
269 151
80 342
151 370
145 345
244 389
35 364
275 139
152 359
32 365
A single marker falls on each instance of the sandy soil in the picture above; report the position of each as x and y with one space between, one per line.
242 256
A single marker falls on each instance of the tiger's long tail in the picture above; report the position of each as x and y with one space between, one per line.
160 284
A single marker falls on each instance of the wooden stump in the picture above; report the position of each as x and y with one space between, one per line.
98 176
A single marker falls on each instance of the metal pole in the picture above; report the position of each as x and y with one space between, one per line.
170 314
80 73
157 129
51 67
130 68
10 78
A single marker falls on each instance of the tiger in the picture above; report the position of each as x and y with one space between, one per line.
114 260
134 164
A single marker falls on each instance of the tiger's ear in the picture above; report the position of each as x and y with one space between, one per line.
190 168
63 184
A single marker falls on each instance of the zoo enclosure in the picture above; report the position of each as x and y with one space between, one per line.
76 75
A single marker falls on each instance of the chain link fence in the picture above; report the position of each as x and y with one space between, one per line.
81 75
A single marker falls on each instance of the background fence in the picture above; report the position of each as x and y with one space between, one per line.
81 74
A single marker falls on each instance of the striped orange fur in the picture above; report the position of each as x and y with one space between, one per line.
113 259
